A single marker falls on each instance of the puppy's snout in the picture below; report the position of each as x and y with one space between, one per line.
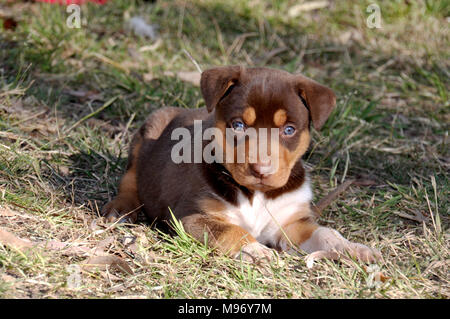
261 168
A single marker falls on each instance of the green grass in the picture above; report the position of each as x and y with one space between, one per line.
63 147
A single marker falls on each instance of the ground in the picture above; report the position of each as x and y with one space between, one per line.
70 99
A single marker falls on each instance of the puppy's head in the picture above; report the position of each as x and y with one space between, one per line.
250 99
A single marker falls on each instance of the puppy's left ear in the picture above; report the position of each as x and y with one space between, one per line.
320 100
218 82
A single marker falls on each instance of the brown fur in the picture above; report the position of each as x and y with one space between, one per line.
299 228
249 116
197 193
280 117
211 206
289 157
127 202
228 238
299 231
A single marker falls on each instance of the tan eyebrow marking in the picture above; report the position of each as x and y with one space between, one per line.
249 115
280 117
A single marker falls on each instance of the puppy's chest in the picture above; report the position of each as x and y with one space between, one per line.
262 217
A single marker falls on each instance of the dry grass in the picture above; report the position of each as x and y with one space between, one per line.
70 100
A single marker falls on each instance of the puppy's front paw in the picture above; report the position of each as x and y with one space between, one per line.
358 251
328 243
255 253
120 210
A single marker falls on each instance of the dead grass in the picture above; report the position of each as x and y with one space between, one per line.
70 100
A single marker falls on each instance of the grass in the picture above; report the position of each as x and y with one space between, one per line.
71 98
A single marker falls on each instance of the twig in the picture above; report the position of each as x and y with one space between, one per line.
330 197
193 61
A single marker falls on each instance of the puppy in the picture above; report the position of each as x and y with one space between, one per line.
241 207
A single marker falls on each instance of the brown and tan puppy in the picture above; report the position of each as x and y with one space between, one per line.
247 206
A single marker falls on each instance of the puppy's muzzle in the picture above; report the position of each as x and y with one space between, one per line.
262 169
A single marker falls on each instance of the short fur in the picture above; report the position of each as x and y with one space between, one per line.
242 208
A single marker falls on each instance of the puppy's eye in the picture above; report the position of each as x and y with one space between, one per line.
288 130
238 126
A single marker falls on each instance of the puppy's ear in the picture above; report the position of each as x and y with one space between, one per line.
320 100
218 82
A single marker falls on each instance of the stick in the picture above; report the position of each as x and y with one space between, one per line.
330 197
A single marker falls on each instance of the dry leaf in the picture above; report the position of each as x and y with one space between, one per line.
7 238
152 47
99 250
330 197
7 278
148 77
418 217
113 261
39 129
69 249
350 35
63 170
364 182
133 248
7 212
128 240
192 77
109 276
296 10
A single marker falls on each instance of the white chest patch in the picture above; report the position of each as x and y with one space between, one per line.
263 217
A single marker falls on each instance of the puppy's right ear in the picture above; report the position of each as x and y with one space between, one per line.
216 83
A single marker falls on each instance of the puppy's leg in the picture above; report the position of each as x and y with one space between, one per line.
227 238
127 203
322 242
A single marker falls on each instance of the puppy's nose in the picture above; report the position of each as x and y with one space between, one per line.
261 168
